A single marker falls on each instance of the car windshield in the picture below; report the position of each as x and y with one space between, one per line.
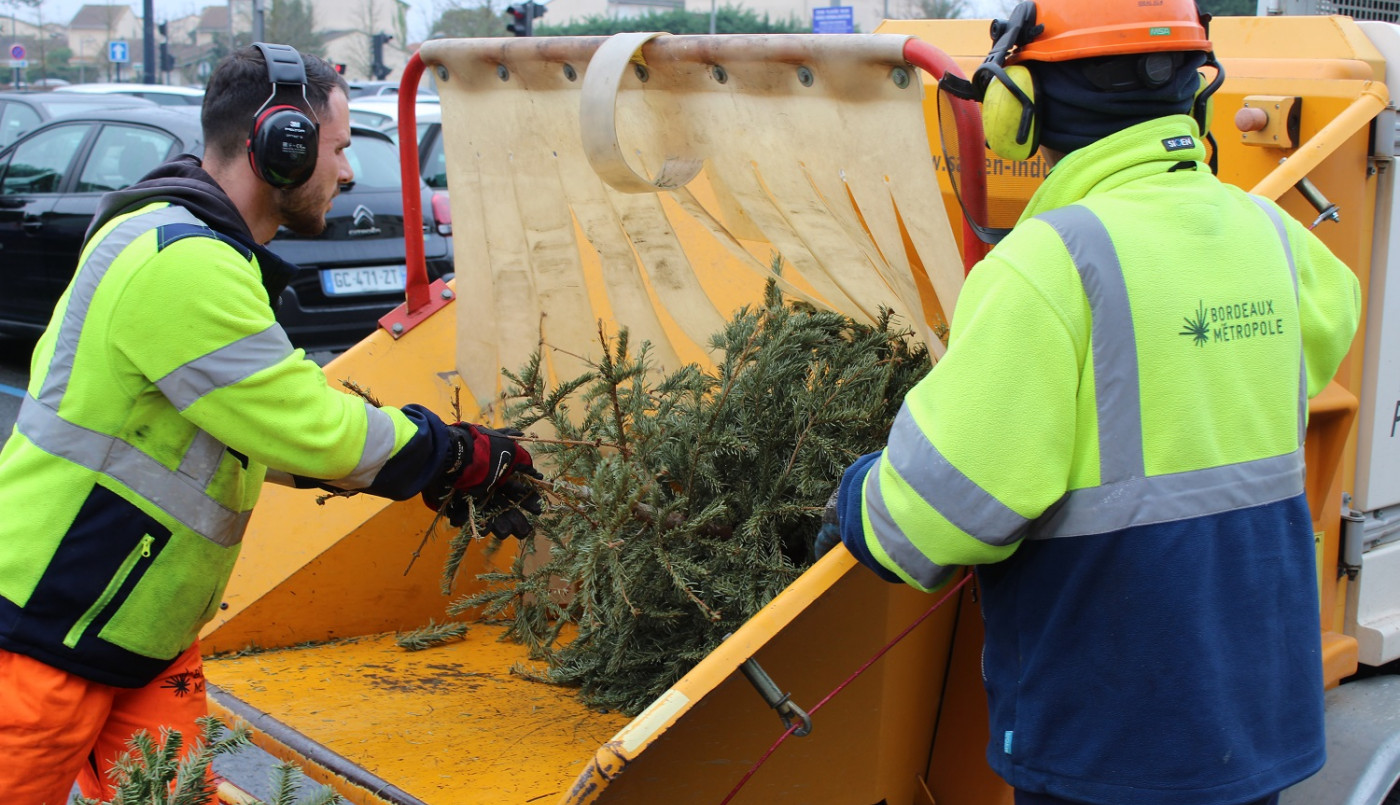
375 162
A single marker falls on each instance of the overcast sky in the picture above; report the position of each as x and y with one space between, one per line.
421 13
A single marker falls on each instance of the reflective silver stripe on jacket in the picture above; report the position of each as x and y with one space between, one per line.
1293 268
90 274
179 493
379 448
896 544
225 366
1125 496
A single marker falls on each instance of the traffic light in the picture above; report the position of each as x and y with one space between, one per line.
522 17
339 67
377 66
519 24
167 60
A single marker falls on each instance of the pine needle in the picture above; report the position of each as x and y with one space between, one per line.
434 634
681 503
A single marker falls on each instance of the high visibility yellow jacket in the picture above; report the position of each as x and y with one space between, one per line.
160 395
1115 436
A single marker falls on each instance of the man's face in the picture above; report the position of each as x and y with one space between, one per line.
303 209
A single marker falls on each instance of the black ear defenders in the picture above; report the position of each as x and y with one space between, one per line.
283 141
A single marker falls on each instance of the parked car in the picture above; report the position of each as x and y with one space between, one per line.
371 89
432 153
163 94
52 179
382 114
22 112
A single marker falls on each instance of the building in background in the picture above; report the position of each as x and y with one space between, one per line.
92 29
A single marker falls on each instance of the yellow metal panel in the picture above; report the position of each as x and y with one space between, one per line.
697 745
449 725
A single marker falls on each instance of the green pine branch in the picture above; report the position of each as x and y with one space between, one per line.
683 502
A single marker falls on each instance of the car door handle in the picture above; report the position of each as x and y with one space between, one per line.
31 223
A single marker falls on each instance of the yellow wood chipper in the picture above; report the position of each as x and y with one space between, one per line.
647 181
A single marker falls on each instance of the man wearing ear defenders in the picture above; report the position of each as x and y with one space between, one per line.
1115 435
162 395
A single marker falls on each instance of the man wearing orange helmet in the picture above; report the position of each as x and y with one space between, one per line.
1115 435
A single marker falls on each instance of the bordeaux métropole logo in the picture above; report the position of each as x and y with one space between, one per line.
1235 321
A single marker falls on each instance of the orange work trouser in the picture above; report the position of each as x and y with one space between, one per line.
56 727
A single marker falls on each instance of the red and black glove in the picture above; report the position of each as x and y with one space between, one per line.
481 464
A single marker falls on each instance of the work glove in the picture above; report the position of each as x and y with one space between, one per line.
478 460
829 535
504 508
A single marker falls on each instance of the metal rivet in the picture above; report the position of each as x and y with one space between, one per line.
398 328
441 73
223 605
900 76
446 294
502 72
643 74
804 75
720 74
570 73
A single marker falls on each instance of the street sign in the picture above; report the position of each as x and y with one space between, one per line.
17 52
117 52
18 64
833 20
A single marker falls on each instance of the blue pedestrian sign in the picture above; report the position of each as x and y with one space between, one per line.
833 20
117 52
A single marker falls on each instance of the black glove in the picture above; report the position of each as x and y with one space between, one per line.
829 535
504 508
478 460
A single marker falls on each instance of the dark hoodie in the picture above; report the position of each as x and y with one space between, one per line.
184 181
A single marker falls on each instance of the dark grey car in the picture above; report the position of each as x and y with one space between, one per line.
22 112
52 179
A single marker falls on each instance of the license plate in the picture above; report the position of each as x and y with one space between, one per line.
363 280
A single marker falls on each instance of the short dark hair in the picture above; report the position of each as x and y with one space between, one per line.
239 87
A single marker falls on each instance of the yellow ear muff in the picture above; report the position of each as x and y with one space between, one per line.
1009 122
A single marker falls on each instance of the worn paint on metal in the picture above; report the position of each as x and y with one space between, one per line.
449 725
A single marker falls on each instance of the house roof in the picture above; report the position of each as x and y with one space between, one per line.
92 16
213 18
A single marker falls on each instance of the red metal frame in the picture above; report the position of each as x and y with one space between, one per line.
968 118
422 299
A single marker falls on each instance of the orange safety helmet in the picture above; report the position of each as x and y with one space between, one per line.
1080 29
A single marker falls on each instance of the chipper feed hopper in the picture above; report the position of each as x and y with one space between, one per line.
654 182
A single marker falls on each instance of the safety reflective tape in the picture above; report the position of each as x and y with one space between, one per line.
379 448
225 366
175 493
959 500
1292 270
201 460
1169 498
89 276
180 494
897 546
1117 394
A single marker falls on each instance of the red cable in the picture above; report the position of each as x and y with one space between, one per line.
897 638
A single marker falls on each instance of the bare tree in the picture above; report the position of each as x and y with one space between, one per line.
938 9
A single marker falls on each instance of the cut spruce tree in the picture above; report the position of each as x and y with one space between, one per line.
679 504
